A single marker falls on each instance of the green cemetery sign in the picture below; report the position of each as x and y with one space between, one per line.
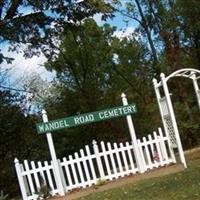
85 118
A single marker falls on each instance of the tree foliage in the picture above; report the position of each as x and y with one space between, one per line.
171 31
92 76
37 23
18 139
169 27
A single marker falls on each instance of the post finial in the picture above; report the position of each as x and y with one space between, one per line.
123 95
16 161
162 75
44 111
94 142
155 81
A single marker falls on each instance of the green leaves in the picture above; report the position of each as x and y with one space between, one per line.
18 139
27 22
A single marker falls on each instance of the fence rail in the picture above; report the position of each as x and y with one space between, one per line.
105 161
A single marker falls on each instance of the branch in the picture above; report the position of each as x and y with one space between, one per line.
70 65
80 56
10 15
15 89
127 81
13 9
1 7
127 15
30 15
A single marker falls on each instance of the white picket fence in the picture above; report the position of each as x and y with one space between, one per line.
101 162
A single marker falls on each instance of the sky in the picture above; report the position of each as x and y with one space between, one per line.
20 67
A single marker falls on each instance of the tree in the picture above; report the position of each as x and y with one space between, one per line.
36 23
136 11
190 27
83 66
86 64
171 29
92 76
166 26
18 139
38 91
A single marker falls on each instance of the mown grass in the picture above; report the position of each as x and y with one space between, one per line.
178 186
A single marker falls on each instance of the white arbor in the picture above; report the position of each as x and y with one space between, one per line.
166 108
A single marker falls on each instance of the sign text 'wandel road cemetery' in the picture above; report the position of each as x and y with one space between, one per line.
85 118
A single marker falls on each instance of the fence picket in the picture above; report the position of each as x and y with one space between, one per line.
29 177
126 170
94 177
106 160
73 171
80 172
25 178
98 159
120 167
163 146
147 153
130 157
63 181
85 167
66 166
112 160
41 172
49 175
155 163
158 148
20 179
151 144
35 174
142 155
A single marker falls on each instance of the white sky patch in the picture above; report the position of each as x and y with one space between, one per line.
125 32
97 18
116 58
20 67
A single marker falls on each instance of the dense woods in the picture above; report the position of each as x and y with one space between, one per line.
93 67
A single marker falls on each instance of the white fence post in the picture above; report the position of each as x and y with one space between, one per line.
99 163
58 177
133 138
62 175
173 119
20 179
196 88
158 97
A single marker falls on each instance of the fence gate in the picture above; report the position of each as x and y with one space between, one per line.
166 108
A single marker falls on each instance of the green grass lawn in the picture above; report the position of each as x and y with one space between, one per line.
178 186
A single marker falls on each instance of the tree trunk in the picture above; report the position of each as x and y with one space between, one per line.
148 32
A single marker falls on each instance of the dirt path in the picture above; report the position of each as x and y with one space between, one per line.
122 181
